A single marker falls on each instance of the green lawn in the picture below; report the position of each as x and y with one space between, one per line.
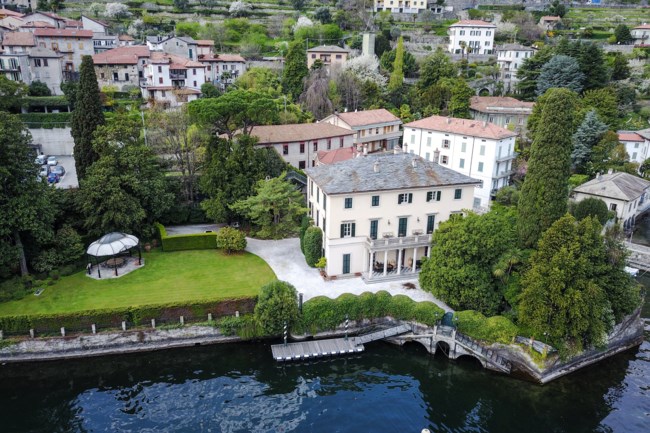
182 276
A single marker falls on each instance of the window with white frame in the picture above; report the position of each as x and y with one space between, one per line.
406 197
480 167
445 143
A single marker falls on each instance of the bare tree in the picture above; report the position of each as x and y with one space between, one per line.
349 89
173 137
315 98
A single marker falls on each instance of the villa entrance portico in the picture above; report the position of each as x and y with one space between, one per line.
395 257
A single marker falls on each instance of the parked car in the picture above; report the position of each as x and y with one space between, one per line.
53 178
51 160
41 160
44 172
58 169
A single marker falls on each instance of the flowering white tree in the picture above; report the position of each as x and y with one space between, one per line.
135 27
303 21
365 68
506 29
239 9
117 10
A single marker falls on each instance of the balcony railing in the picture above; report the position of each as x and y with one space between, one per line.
389 240
504 173
508 157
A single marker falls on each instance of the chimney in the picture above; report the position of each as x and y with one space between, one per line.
376 167
414 162
368 44
610 171
436 155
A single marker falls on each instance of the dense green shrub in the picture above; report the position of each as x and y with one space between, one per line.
14 289
277 305
494 329
46 120
593 207
313 245
134 316
231 240
197 241
304 225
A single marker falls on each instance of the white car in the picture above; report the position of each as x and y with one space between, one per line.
44 172
41 159
51 160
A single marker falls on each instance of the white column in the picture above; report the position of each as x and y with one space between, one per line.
371 264
385 261
399 262
415 257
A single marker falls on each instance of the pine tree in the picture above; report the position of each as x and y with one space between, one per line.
560 71
529 72
593 66
586 137
86 117
544 193
295 70
622 34
397 76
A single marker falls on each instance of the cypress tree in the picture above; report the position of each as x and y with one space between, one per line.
86 117
585 138
295 70
544 193
397 76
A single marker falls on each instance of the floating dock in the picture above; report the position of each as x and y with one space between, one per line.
315 349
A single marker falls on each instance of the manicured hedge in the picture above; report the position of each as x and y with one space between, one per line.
46 120
197 241
321 313
44 101
313 245
134 316
493 329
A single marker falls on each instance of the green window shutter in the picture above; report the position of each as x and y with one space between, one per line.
342 230
353 229
438 198
410 197
429 195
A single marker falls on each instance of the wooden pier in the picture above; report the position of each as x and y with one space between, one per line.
331 347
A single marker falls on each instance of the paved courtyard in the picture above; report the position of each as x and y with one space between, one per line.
288 263
69 179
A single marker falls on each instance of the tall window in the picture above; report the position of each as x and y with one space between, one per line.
431 221
329 143
285 149
480 167
375 200
324 202
348 229
302 147
482 151
401 230
315 146
406 197
301 165
458 194
346 263
348 202
374 224
461 163
341 142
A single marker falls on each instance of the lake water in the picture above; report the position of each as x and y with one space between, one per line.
239 388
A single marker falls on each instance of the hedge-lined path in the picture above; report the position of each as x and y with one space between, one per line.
288 263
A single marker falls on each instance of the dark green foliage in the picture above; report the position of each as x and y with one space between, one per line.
295 70
382 44
585 138
230 172
305 222
622 34
14 289
410 65
544 193
323 15
591 207
494 329
464 252
67 247
560 71
277 305
605 102
593 66
313 245
39 88
576 288
125 189
231 240
529 72
508 196
196 241
620 67
557 9
435 67
81 321
209 90
11 93
87 116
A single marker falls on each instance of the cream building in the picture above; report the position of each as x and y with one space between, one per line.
299 144
333 57
122 66
503 111
637 144
510 57
400 6
481 150
223 69
624 193
473 36
378 212
374 130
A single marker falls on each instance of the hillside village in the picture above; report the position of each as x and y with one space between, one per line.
496 156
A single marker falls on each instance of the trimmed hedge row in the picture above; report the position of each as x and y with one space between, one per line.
46 120
196 241
321 313
134 316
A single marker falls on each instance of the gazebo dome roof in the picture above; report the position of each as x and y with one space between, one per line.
111 244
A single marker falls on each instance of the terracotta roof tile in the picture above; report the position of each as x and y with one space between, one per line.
629 136
10 13
368 117
121 55
474 128
20 39
336 155
269 134
328 49
63 33
500 104
550 18
472 23
222 58
204 42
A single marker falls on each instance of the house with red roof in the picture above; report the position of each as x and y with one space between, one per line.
374 130
121 66
641 34
479 149
223 69
73 44
471 36
171 79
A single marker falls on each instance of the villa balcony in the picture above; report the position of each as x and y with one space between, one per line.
513 155
388 241
504 173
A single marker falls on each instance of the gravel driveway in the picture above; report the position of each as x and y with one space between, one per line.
288 263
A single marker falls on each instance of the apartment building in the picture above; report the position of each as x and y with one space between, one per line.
471 36
374 130
510 57
378 212
72 44
223 69
171 79
333 57
178 45
400 6
479 149
503 111
122 66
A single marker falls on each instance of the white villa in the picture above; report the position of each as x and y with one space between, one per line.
374 130
510 57
378 212
473 36
474 148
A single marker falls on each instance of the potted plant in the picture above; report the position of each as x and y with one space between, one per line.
320 264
